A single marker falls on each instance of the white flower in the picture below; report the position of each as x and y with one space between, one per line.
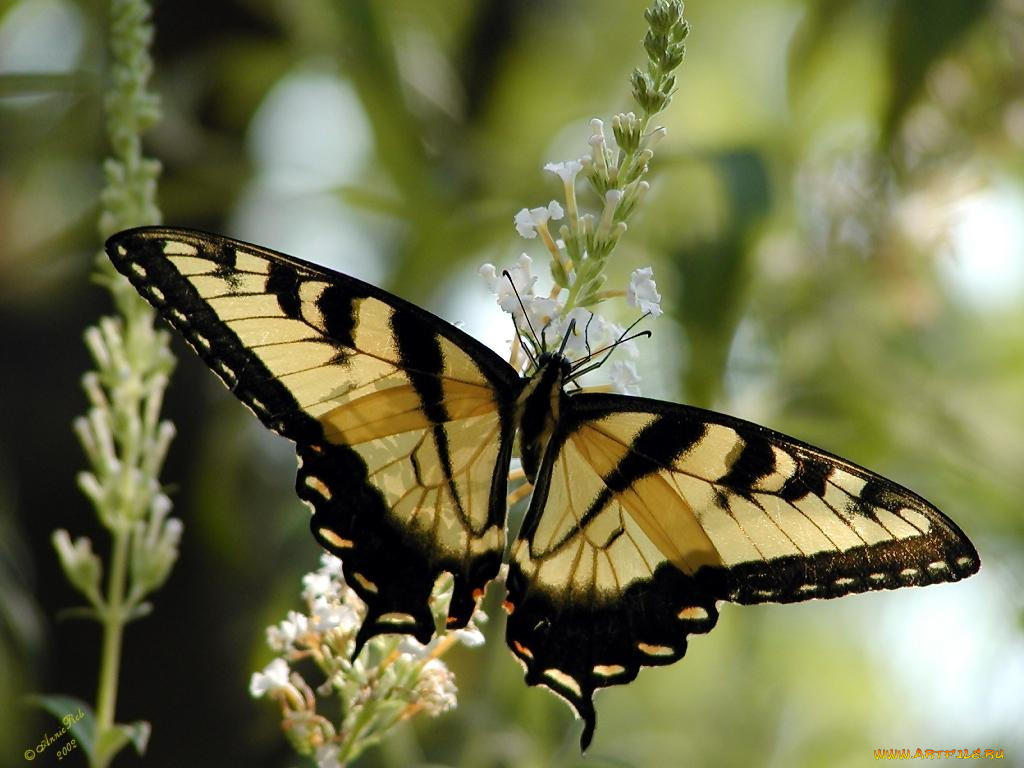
435 688
331 614
283 636
272 679
589 329
81 565
529 219
278 639
316 584
543 315
330 564
625 380
328 756
567 171
489 273
411 649
522 278
524 224
470 636
643 293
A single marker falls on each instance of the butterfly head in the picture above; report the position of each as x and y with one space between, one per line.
587 339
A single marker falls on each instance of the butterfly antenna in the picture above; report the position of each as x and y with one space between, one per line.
625 336
586 343
528 348
565 339
586 337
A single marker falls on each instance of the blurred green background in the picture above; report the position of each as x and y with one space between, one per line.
837 227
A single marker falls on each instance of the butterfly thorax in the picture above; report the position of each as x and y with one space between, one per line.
537 409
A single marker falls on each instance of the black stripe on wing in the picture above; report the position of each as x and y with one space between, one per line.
575 648
140 256
358 378
790 481
707 508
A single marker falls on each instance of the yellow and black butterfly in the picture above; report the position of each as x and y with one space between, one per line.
644 513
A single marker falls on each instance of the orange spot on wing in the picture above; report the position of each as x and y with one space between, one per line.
522 649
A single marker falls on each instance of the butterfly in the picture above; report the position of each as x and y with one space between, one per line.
644 514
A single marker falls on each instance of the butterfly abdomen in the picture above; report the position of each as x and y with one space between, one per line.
538 408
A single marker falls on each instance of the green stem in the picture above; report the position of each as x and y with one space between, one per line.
347 750
113 632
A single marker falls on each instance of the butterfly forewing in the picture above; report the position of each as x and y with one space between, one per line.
646 513
374 392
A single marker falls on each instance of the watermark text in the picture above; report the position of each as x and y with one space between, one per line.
938 754
49 739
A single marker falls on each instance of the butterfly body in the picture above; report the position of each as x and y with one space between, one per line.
538 408
644 514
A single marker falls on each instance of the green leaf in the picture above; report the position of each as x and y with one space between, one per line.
921 33
74 714
80 721
80 612
118 737
715 273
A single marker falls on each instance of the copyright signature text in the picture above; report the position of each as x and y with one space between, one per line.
50 739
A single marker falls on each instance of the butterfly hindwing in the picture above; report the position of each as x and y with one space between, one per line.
646 513
403 423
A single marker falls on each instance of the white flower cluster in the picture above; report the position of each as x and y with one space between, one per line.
563 318
394 677
583 333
